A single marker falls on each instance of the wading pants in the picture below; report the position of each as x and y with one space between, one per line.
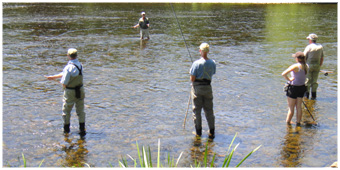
144 33
202 97
69 101
313 75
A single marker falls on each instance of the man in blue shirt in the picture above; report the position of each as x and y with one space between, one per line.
74 93
201 73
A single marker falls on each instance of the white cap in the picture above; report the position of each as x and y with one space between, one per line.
143 13
72 51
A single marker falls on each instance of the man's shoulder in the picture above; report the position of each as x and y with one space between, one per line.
199 61
211 61
73 65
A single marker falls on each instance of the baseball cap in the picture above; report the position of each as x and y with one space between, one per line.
298 54
204 47
312 36
143 13
72 51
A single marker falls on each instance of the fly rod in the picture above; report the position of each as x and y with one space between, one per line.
308 111
190 59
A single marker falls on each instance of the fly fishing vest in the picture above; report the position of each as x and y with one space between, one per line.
143 23
76 82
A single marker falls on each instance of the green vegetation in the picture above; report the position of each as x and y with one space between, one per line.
145 160
25 162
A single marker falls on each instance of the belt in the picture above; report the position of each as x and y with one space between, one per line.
201 82
77 88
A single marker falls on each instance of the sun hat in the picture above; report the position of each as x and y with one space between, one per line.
204 47
312 36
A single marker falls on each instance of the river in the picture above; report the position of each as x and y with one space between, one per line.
138 91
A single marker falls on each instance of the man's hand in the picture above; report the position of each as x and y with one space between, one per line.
53 77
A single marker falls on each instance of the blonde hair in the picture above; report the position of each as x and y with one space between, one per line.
204 47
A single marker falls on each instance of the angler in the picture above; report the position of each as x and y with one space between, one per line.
74 93
201 73
314 58
296 88
144 25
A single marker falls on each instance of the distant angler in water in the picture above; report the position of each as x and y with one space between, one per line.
144 25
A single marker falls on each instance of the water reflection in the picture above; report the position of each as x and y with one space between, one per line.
76 152
198 150
143 44
291 149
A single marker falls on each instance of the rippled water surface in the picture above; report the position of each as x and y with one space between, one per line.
139 90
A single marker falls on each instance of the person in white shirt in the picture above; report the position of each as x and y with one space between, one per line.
74 93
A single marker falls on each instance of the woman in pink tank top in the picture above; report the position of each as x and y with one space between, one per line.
297 86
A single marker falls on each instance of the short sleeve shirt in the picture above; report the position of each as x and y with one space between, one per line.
203 69
70 71
313 53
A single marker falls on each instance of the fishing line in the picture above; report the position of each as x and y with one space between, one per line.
29 71
181 31
190 59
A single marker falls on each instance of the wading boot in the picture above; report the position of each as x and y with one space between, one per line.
82 129
66 128
313 96
211 133
198 132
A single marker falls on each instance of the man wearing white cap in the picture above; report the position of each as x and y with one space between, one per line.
144 24
201 73
314 58
74 93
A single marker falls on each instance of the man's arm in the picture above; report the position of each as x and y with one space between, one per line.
321 61
136 26
54 77
192 78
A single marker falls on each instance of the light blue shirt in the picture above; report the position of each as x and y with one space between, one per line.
70 71
203 69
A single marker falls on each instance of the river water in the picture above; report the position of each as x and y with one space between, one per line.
139 90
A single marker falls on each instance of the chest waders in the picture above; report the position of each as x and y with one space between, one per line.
77 80
76 83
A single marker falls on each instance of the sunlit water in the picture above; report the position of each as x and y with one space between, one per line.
139 90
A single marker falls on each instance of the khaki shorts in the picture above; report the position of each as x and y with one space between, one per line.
144 33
